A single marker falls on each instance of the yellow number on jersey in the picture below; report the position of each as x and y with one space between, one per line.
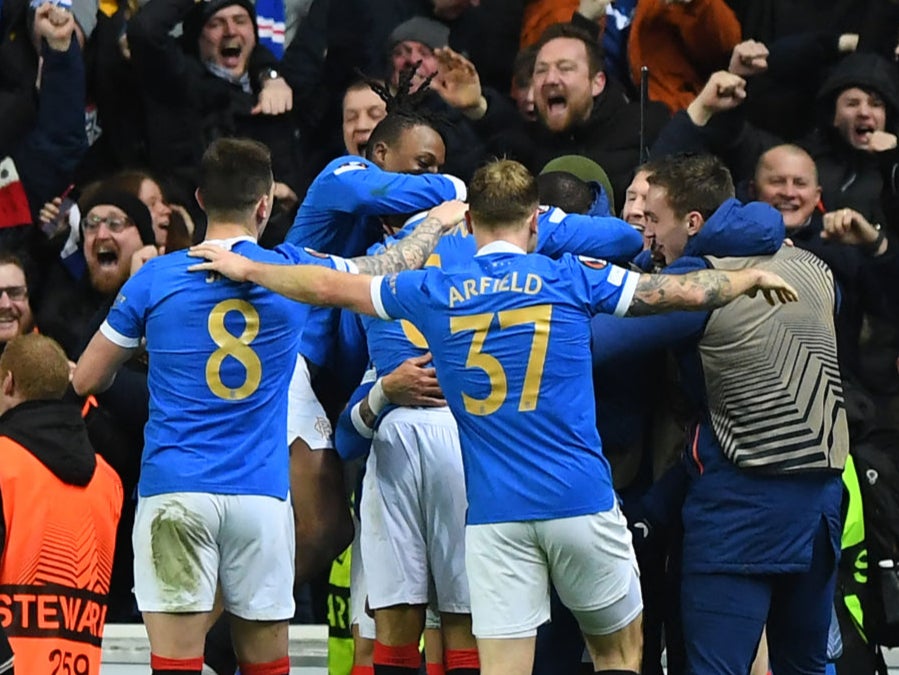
540 316
235 346
412 334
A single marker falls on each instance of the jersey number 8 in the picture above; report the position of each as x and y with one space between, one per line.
235 346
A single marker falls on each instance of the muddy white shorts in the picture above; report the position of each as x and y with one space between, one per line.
187 543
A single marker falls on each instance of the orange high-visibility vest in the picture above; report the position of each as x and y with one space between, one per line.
56 563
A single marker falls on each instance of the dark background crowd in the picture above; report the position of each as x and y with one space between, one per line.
113 102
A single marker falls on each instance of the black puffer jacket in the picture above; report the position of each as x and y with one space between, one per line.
610 137
187 107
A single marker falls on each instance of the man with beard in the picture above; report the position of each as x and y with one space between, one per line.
117 236
579 110
115 226
15 310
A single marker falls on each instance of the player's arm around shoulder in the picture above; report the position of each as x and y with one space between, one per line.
356 185
705 290
411 252
604 237
317 285
305 282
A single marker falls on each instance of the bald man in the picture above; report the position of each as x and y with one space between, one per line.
860 256
787 179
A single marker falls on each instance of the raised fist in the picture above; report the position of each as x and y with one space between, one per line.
748 58
593 9
881 141
723 91
56 25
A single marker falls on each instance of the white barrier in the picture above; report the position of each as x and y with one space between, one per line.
126 649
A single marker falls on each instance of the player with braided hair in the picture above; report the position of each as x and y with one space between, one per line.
343 214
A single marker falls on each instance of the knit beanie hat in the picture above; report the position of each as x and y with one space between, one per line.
420 29
133 207
585 169
201 12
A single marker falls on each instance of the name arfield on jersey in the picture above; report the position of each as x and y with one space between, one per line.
511 283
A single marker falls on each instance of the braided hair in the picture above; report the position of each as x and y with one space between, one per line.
405 109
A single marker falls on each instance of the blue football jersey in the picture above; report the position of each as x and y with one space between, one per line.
341 215
558 232
341 210
510 335
221 356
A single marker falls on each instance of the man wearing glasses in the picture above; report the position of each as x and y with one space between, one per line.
115 226
117 238
15 310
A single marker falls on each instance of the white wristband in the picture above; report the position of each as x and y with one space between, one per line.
359 424
377 399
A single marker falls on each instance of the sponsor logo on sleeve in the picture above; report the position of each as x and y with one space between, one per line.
616 276
350 166
391 283
557 215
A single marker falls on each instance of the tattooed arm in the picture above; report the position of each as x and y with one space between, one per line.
316 285
705 290
412 252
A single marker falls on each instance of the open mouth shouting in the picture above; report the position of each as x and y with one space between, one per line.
862 134
230 53
107 257
556 105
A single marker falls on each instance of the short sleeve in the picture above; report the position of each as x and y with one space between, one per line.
606 288
125 323
400 296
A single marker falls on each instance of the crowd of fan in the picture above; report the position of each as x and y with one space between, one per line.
106 109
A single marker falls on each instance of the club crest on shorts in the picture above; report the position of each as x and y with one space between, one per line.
323 427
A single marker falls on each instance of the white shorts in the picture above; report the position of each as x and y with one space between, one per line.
358 584
412 536
306 417
188 543
589 559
